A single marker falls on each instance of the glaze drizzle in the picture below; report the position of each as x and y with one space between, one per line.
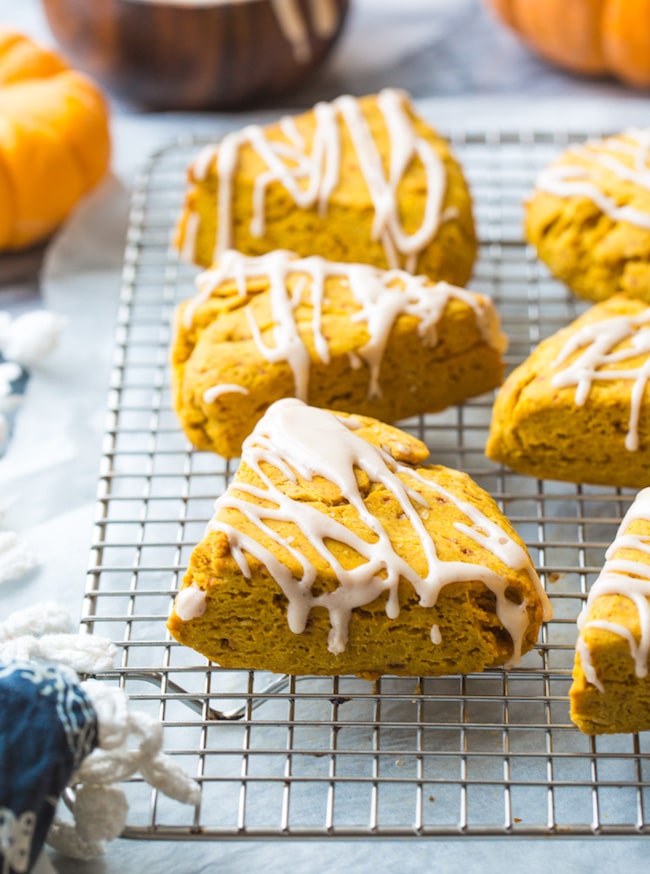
578 180
297 440
211 394
628 578
601 342
382 297
310 173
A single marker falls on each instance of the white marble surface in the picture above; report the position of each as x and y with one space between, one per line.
472 74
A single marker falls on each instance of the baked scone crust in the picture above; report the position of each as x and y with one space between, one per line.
610 692
589 217
541 425
344 223
401 346
233 608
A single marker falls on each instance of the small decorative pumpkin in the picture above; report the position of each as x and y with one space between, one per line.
593 37
54 140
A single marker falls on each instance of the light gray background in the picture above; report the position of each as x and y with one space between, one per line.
471 73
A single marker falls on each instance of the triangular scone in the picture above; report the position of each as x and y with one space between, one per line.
358 180
335 551
589 217
578 409
346 336
611 686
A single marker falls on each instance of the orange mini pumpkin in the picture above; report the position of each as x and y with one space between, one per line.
54 140
592 37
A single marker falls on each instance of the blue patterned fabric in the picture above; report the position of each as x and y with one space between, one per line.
47 727
13 380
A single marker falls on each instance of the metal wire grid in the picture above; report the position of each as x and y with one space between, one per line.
481 755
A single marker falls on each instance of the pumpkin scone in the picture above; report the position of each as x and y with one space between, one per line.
356 180
610 692
346 336
54 140
589 217
335 550
578 409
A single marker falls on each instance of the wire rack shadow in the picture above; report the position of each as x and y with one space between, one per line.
493 754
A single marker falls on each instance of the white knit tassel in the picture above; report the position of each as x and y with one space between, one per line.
16 557
100 808
100 813
31 337
114 756
44 618
65 839
42 632
163 773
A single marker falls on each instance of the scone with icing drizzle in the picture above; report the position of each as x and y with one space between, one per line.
589 217
578 409
335 550
356 180
346 336
611 688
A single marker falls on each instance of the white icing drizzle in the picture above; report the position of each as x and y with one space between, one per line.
355 361
297 440
382 297
190 603
449 214
203 161
190 233
231 267
600 342
211 394
578 180
587 664
310 177
628 578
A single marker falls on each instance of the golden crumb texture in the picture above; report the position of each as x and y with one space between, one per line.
595 252
541 428
342 229
244 624
459 358
623 702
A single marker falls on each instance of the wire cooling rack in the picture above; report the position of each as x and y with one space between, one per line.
481 755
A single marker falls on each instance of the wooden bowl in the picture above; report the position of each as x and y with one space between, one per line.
197 54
